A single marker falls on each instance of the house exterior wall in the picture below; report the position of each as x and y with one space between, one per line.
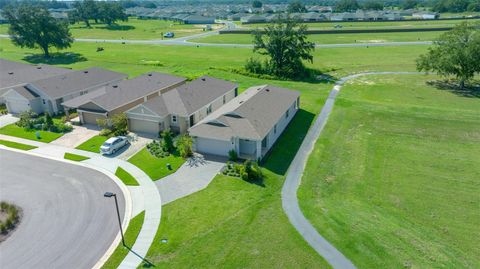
216 104
90 118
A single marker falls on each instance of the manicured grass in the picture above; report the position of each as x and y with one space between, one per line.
74 157
393 180
93 144
131 29
16 145
156 168
14 130
131 234
126 177
330 38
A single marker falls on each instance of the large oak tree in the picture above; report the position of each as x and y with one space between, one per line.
32 26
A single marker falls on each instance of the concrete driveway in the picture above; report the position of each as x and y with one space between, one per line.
194 175
67 223
7 120
77 136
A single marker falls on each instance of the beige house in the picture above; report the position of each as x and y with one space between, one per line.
121 96
249 124
182 107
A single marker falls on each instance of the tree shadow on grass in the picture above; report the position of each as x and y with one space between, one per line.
471 91
116 27
279 158
55 58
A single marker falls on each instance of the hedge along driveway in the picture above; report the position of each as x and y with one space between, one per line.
156 168
14 130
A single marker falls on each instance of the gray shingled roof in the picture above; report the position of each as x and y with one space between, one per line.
25 92
73 82
118 94
14 73
192 96
157 105
249 116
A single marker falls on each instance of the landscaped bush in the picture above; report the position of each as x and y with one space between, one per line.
248 171
232 155
31 121
116 126
12 217
167 140
27 119
156 149
184 146
3 109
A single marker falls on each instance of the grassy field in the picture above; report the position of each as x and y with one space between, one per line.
156 168
330 38
75 157
393 180
14 130
131 29
16 145
134 227
93 144
126 177
375 25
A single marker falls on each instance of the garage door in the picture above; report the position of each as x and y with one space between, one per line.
17 106
212 146
91 118
144 126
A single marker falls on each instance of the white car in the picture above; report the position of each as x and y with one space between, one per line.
113 144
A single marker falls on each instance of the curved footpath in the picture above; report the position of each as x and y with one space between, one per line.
151 201
295 172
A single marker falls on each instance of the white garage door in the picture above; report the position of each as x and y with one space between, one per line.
91 118
212 146
143 126
17 106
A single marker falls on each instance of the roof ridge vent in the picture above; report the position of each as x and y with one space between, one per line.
85 72
39 67
115 86
10 73
149 74
203 79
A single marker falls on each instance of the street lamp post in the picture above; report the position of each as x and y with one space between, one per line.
108 195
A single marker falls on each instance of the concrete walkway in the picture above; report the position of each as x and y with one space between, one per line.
151 197
194 175
294 175
77 136
7 120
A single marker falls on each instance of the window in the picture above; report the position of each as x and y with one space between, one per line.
209 109
224 99
286 114
43 100
174 118
275 129
297 103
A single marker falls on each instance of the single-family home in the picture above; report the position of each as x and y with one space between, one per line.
249 124
47 95
14 74
181 107
197 19
253 19
118 97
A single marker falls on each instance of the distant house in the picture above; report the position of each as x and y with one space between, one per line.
426 15
118 97
47 95
197 19
253 19
14 74
249 124
346 16
182 107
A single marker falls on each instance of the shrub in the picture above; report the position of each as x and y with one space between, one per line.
116 126
48 120
184 146
106 132
167 140
254 66
155 148
26 119
232 155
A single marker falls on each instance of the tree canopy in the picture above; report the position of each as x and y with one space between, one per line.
257 4
105 12
346 6
32 26
456 52
373 5
285 44
296 7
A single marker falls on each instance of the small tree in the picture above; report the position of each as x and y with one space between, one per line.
232 155
285 43
257 4
167 140
48 121
26 119
32 26
184 146
120 124
373 5
296 7
347 6
456 52
109 12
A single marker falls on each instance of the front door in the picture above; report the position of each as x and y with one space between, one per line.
192 120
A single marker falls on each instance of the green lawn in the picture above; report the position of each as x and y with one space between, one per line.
93 144
132 29
330 38
16 145
156 168
393 180
126 177
14 130
236 224
74 157
131 234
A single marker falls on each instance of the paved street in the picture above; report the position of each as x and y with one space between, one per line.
67 223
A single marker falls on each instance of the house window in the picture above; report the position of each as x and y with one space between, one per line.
209 109
43 101
174 118
224 99
286 114
297 103
275 129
